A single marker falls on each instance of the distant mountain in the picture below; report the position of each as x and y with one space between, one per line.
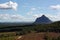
42 20
7 24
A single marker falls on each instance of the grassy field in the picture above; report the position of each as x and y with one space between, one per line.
8 36
30 36
31 32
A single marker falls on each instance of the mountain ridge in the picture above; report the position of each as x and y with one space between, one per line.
42 20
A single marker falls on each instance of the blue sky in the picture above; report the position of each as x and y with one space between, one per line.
29 10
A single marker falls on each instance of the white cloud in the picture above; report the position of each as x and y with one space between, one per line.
37 15
17 17
50 16
9 5
55 7
14 18
11 17
33 9
30 13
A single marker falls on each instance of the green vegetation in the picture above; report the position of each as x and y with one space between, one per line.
22 30
8 36
49 38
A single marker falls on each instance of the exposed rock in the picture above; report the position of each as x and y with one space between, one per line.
42 20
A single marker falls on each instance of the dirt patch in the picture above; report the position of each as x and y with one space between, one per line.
38 36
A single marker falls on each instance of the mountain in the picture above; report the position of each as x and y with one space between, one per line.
7 24
42 20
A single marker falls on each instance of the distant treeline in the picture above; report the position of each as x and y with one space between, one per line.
53 27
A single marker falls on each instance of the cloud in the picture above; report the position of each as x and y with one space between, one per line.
14 18
55 7
29 13
33 9
37 15
11 17
20 18
9 5
50 16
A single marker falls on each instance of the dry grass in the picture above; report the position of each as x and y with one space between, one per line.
8 36
39 36
31 36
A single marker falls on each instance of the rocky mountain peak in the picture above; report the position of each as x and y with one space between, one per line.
42 20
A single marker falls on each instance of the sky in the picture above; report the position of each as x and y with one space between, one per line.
28 10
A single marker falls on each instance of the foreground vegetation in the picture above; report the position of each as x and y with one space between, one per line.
30 36
8 36
25 29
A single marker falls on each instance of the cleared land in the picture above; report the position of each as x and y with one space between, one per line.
8 36
40 36
29 36
31 32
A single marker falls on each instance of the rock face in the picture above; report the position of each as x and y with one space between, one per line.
42 20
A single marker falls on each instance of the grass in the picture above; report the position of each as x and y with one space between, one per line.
41 36
8 36
29 36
